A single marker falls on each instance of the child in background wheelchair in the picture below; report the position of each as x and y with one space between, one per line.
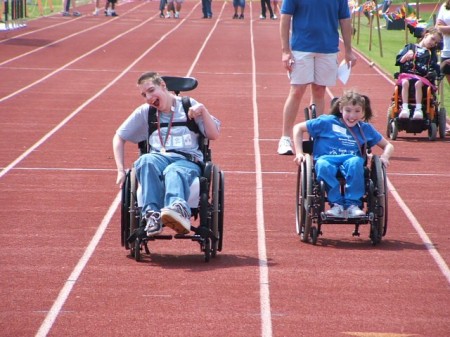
414 105
418 68
341 141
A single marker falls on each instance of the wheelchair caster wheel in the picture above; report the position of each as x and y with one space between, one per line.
137 250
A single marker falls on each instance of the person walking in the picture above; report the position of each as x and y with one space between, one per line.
310 54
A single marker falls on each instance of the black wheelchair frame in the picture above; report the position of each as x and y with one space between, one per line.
210 210
311 198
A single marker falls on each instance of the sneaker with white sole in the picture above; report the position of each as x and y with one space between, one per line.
176 217
404 114
418 114
153 223
336 211
285 146
354 211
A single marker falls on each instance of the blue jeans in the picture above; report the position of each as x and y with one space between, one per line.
165 180
206 8
352 168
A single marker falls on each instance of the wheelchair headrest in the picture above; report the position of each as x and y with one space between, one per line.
178 84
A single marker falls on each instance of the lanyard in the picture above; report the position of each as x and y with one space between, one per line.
169 126
356 138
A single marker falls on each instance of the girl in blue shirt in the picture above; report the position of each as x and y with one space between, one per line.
340 140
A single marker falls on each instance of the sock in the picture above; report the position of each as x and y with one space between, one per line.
418 106
405 106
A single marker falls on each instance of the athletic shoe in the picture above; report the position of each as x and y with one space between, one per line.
177 15
65 14
274 17
285 146
241 17
262 17
153 223
177 218
114 14
418 114
76 13
336 211
404 114
354 211
168 16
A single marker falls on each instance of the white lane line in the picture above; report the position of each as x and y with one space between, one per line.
70 282
423 236
264 286
54 42
87 102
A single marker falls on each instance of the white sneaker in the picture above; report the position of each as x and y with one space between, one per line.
285 146
418 114
336 211
168 16
177 218
262 17
404 114
153 223
95 12
354 212
177 15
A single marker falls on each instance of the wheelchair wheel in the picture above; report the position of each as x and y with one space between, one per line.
304 189
221 209
392 129
125 211
134 211
442 118
379 224
432 131
215 211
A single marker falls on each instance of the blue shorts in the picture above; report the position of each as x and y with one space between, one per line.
239 3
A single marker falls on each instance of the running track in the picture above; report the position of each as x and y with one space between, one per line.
65 86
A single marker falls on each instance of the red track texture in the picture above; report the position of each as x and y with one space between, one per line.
67 84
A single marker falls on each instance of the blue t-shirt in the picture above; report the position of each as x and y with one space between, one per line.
331 136
315 24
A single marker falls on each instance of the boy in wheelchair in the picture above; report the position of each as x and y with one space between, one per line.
341 140
174 160
418 68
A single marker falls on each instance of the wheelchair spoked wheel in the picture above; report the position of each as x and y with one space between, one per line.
304 189
221 209
214 244
133 214
379 224
442 119
124 215
392 129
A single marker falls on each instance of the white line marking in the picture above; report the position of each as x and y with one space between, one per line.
419 229
73 278
266 315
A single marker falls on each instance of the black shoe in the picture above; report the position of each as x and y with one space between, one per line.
241 17
235 16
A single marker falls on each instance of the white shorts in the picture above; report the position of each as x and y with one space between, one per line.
315 68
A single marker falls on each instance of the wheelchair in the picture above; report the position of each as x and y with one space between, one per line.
434 120
206 200
311 198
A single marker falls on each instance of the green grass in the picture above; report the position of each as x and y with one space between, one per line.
382 51
48 7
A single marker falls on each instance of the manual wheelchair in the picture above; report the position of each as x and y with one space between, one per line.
311 198
206 199
434 115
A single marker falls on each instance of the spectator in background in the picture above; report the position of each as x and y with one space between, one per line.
174 6
276 9
239 4
206 8
110 11
66 11
265 3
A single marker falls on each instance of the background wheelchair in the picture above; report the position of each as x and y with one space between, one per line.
434 115
206 199
311 198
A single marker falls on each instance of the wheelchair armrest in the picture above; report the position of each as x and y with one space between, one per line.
178 84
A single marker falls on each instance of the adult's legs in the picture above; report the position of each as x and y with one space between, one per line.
318 97
291 107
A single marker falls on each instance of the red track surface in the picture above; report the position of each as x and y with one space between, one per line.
67 83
